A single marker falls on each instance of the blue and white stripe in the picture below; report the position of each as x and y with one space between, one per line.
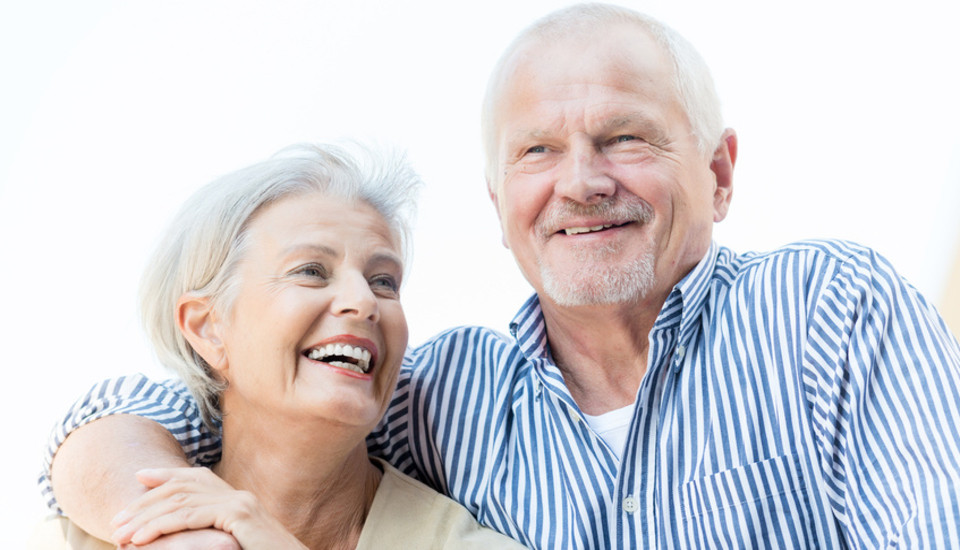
804 398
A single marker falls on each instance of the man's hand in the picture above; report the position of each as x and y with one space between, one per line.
201 539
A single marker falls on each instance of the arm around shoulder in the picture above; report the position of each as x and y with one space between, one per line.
93 471
118 427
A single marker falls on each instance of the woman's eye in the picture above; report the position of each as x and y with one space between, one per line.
314 271
385 282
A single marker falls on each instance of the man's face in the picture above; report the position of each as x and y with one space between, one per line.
602 194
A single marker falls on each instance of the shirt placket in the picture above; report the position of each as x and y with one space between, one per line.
636 513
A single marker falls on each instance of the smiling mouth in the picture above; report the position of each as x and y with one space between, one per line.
591 229
344 356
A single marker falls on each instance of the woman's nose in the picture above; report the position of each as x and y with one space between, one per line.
355 298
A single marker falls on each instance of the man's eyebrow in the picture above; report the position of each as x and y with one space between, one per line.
524 136
637 119
645 127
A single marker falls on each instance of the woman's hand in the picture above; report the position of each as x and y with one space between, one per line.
182 499
200 539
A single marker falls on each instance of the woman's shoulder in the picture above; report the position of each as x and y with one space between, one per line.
407 513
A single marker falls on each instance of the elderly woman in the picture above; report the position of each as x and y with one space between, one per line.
275 297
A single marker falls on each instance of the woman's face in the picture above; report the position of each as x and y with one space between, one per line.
316 328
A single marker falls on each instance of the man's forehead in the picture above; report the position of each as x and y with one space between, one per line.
606 39
625 55
599 119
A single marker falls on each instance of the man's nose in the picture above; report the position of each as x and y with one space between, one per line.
584 177
355 298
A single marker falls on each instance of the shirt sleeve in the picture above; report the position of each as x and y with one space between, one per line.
884 386
390 439
169 403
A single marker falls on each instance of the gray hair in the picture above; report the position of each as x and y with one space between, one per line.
204 244
692 81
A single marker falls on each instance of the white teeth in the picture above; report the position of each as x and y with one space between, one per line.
361 355
348 366
578 230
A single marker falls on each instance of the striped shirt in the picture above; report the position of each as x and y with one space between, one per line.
802 398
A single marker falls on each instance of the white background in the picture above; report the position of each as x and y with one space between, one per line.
112 113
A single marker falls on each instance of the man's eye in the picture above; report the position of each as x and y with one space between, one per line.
621 139
537 149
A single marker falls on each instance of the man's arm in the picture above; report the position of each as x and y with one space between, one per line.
93 471
884 380
118 427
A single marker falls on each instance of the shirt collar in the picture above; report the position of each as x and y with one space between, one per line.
690 294
683 306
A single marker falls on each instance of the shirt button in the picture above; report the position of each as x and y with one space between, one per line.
630 505
679 353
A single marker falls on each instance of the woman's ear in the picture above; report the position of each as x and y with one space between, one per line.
201 327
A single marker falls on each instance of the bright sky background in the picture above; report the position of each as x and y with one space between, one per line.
112 113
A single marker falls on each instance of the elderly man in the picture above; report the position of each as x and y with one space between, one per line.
658 390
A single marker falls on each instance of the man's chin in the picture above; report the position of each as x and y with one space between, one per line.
591 285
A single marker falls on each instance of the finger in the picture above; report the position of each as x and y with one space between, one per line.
144 530
153 477
175 481
146 512
212 502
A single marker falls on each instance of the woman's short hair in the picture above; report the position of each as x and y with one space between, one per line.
201 249
692 81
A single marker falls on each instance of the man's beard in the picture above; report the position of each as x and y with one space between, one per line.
595 282
599 276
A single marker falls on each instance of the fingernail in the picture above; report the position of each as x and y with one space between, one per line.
122 535
120 518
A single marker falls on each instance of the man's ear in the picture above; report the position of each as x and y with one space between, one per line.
201 327
492 192
724 158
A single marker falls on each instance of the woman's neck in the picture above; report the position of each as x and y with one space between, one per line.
320 491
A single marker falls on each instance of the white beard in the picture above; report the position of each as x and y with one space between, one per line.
598 275
598 280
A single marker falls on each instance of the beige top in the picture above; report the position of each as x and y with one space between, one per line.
405 514
408 514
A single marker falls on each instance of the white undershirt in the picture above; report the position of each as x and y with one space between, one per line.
613 427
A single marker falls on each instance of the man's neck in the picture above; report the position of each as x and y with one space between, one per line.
601 350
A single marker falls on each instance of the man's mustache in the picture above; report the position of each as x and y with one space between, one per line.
618 209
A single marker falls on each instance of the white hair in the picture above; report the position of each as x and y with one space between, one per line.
205 242
692 81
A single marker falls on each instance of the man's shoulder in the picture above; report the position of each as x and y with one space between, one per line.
798 256
470 335
809 267
462 345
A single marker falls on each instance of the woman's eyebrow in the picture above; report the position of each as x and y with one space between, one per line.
388 258
309 248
